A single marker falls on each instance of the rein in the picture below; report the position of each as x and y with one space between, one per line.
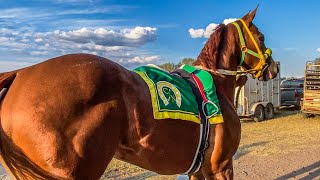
259 68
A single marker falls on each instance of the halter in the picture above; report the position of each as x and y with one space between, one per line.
261 66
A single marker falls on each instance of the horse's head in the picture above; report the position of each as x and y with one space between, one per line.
238 44
255 56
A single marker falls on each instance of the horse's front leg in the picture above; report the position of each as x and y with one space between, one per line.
196 176
217 162
223 171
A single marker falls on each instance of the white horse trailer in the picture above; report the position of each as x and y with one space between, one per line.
258 99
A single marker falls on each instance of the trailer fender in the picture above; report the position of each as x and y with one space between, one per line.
253 106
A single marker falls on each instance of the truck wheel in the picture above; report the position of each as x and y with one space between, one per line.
269 111
307 115
258 113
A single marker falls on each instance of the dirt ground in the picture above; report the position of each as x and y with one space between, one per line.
287 147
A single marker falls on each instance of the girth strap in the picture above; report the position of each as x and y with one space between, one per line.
198 91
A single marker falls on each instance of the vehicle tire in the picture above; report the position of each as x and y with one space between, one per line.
258 113
269 111
307 115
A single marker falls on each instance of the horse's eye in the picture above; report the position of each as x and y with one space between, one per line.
261 38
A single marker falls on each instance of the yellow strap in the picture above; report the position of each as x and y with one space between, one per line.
253 40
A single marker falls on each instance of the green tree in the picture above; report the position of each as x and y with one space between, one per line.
188 61
167 66
171 66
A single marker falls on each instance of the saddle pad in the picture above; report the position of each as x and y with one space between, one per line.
172 97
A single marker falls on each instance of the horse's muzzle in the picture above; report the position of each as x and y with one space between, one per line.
270 72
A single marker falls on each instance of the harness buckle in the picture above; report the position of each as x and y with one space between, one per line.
203 108
244 48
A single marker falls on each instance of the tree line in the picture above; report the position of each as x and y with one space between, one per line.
171 66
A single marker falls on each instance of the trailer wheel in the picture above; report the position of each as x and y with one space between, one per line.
258 113
269 111
308 115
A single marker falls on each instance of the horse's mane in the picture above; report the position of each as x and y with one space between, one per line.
210 53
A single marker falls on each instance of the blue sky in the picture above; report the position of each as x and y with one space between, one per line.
139 32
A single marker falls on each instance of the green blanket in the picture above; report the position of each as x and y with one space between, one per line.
172 96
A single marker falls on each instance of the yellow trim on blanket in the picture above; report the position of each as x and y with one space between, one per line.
172 114
216 119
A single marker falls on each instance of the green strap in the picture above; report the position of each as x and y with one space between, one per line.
243 43
253 53
242 58
244 48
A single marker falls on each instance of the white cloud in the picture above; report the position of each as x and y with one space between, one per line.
38 40
99 39
210 29
318 49
12 65
118 45
131 61
4 40
38 53
196 33
126 37
143 60
201 33
139 32
230 20
67 19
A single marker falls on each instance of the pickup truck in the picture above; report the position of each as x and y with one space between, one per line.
291 92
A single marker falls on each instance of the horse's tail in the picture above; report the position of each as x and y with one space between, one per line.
6 80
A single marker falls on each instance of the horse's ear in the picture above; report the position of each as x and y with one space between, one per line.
250 16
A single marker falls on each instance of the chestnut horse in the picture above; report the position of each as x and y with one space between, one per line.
67 117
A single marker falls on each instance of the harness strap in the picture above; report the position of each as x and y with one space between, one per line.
227 72
3 93
200 86
198 91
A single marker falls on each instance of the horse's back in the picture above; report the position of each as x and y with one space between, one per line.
55 114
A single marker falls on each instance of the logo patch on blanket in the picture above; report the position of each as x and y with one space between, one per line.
172 96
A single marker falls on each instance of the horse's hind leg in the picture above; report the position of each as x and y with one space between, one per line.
96 149
81 151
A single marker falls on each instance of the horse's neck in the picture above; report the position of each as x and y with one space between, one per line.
226 83
221 52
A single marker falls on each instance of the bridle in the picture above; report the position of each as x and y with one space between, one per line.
260 67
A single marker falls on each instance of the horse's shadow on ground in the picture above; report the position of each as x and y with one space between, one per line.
118 173
243 150
142 176
313 172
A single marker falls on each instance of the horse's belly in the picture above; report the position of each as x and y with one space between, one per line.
169 148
